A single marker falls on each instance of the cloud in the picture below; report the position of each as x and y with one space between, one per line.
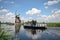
33 11
46 7
3 12
54 17
11 2
24 19
6 16
51 3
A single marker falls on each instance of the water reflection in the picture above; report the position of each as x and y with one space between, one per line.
17 28
8 29
34 33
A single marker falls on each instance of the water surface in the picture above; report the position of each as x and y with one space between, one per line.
32 34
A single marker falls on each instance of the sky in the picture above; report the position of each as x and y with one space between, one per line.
40 10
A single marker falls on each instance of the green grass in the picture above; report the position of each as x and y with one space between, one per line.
53 24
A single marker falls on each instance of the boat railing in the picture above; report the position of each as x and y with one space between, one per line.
41 25
38 25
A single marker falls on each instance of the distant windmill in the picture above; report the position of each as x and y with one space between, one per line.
17 18
17 22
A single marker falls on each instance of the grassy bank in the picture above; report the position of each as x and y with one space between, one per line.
8 23
53 24
49 24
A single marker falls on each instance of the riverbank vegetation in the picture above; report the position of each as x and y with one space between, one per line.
50 24
53 24
8 23
3 35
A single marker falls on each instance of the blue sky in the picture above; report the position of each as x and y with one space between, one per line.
23 5
45 6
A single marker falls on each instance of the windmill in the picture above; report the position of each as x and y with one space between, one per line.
17 22
17 18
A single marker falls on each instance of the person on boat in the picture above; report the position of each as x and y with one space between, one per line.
33 23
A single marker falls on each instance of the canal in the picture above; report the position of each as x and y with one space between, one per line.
51 33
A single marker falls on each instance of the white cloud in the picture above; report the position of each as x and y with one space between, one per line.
33 11
6 16
46 7
23 19
4 10
52 2
11 2
54 17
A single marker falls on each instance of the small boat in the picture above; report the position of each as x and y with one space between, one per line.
33 25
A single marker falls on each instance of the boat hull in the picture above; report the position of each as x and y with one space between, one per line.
35 27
